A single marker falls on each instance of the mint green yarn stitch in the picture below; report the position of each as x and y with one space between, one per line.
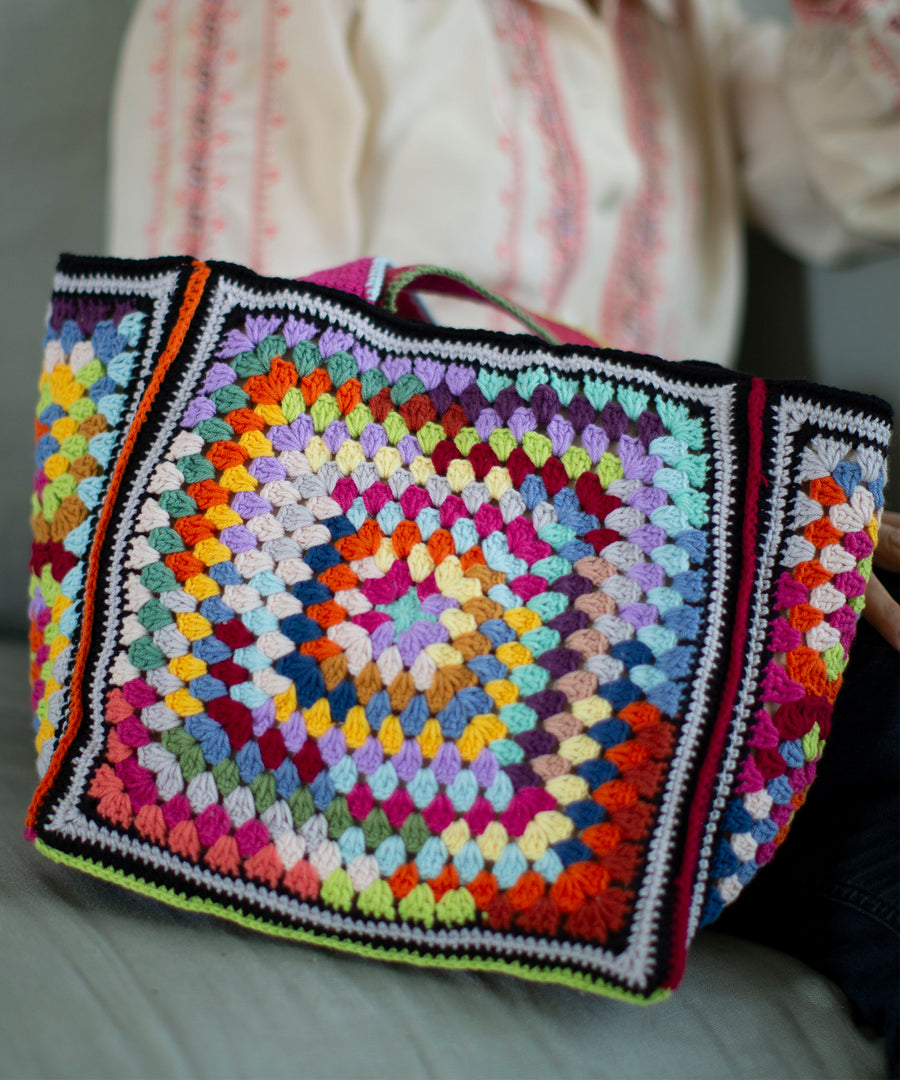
566 387
598 392
491 382
529 380
678 420
634 402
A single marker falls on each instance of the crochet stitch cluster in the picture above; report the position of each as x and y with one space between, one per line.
380 648
409 640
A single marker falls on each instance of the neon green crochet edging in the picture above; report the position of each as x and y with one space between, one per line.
201 905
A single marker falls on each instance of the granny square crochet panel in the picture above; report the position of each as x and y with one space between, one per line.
447 647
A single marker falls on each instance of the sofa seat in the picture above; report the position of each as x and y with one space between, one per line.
98 982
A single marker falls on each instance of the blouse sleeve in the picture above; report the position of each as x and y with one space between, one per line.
815 110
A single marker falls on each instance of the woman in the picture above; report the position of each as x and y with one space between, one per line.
593 161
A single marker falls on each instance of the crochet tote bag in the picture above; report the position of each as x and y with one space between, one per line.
441 646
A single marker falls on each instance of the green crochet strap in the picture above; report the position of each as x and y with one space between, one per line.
390 295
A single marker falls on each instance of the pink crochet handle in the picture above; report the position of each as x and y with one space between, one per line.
394 289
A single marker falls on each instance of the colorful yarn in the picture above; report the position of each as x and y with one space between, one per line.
97 353
393 640
823 568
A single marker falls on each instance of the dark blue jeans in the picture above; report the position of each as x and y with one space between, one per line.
831 895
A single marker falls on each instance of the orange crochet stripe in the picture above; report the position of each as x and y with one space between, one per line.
192 295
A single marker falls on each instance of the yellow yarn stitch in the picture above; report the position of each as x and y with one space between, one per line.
592 709
193 625
64 427
452 582
502 691
187 667
497 482
59 606
56 465
421 468
256 444
272 414
470 743
44 732
201 587
521 619
444 655
56 646
285 703
317 453
65 391
579 748
492 841
183 703
318 718
555 826
532 843
391 735
460 474
513 654
211 551
387 461
221 516
431 739
237 479
456 835
349 456
489 726
568 789
356 727
385 556
458 622
420 562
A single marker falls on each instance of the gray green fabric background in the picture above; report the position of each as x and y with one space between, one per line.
94 982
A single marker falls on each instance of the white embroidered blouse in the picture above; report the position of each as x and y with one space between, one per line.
596 166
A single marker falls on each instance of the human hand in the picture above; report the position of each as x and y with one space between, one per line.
882 610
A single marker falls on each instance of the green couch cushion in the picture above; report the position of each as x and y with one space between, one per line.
98 982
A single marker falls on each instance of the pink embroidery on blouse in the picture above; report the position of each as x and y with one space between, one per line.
202 77
632 289
220 172
264 228
507 249
162 72
521 26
